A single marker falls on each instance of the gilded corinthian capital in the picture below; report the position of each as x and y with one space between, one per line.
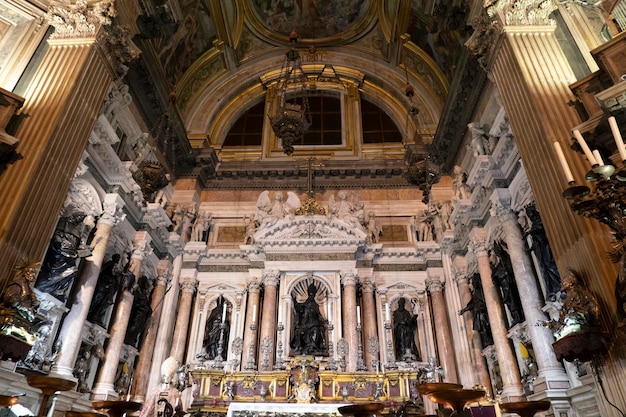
522 12
81 19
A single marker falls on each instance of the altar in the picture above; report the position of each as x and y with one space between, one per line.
282 410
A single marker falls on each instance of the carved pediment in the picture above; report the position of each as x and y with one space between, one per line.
311 233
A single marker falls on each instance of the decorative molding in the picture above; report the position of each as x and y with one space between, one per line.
348 278
271 278
522 12
82 19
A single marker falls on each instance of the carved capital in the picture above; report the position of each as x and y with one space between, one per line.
188 284
434 284
478 244
112 213
271 278
501 208
368 286
81 19
164 272
522 12
348 278
254 286
483 40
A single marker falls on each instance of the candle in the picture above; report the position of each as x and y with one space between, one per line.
596 155
224 313
328 310
254 314
566 170
618 138
583 144
358 315
280 312
386 311
383 366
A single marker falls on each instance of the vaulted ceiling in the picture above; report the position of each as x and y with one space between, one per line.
205 63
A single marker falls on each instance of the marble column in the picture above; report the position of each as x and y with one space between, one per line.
104 387
350 334
481 374
75 320
268 318
548 366
188 285
515 42
250 345
142 370
370 320
511 380
62 102
445 346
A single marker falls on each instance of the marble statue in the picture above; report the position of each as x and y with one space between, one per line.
347 209
460 189
200 226
269 211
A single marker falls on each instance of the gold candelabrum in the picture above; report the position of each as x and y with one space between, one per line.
604 201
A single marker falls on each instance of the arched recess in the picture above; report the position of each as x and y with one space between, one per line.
222 100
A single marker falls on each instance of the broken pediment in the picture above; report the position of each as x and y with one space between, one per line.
311 233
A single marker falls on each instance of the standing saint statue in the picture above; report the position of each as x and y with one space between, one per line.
404 327
308 336
213 328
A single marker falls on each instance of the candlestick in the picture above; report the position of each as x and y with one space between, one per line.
564 165
618 138
583 145
358 315
596 155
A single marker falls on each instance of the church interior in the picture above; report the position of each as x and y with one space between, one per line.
242 207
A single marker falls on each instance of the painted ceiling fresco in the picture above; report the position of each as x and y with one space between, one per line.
310 18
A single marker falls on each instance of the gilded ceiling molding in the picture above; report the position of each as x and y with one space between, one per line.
230 27
206 69
81 19
393 16
424 69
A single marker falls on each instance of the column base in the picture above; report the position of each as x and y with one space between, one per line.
102 391
512 394
552 383
64 372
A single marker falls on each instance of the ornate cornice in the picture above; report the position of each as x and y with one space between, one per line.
79 20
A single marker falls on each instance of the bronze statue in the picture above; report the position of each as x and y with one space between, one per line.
478 308
213 329
404 326
308 337
140 313
18 297
109 283
504 278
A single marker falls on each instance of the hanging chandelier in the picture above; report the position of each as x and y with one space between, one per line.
291 119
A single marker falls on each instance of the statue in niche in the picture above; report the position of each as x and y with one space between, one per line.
212 329
269 211
346 209
504 278
140 312
109 283
308 336
81 370
60 265
374 228
404 327
19 301
532 227
478 308
37 357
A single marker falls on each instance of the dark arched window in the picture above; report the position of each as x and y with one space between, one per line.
377 125
248 129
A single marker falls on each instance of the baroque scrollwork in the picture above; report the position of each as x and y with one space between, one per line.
83 19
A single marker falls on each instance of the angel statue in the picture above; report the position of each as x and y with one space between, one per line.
349 210
270 211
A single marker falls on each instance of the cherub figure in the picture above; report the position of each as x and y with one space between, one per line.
270 211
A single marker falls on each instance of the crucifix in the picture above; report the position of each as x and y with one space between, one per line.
309 179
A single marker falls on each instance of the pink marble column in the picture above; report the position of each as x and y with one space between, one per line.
77 316
188 285
481 374
250 345
268 318
511 381
445 347
541 337
142 370
350 334
369 322
104 387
